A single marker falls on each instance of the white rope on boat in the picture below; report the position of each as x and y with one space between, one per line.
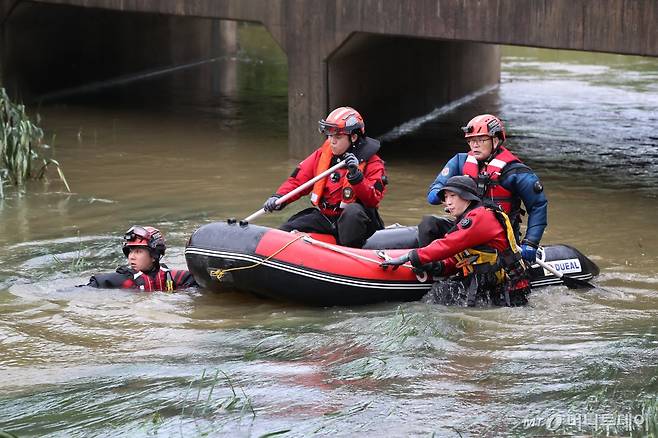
339 250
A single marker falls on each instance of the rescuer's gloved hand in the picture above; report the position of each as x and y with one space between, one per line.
271 205
396 262
351 161
529 250
354 175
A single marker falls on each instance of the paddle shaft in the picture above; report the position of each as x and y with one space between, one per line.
304 186
550 269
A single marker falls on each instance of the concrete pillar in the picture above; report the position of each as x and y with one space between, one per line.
224 41
307 79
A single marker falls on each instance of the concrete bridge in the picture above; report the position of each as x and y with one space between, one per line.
392 60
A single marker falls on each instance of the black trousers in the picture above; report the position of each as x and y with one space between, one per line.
456 291
351 228
433 227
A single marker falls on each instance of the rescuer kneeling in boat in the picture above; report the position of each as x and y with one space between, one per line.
346 201
144 247
479 253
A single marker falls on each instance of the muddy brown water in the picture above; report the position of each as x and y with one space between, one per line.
83 362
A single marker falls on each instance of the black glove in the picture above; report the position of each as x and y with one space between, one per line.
396 262
354 175
271 205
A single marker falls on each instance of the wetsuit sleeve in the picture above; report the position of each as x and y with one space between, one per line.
114 280
482 227
93 281
528 187
370 191
452 168
304 172
184 279
449 266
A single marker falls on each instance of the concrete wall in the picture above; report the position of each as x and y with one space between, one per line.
5 7
311 31
52 48
394 79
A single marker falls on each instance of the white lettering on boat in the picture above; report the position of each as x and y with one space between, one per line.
568 266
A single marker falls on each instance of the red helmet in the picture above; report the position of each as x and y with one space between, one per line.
147 237
343 120
485 124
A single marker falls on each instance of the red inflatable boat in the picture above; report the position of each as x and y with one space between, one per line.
311 269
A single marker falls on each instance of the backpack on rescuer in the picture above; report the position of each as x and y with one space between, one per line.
502 273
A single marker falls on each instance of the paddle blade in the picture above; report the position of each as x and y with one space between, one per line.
570 282
574 283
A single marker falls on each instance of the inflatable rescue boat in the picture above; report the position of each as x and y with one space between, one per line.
312 269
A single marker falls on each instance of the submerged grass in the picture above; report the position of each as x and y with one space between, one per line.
650 417
234 402
77 264
19 137
202 411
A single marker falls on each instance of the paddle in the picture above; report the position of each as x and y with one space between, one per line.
287 196
570 282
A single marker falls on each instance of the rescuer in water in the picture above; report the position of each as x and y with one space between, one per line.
144 247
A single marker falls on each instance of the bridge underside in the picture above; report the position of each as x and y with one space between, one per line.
338 52
49 48
394 79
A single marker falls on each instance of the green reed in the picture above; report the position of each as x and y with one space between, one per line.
19 138
77 264
650 416
233 402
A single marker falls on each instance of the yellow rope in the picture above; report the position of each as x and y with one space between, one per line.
219 273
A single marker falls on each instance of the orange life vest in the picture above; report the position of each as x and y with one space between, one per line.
318 188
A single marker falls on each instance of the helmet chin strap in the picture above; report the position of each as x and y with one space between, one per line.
155 266
495 150
354 143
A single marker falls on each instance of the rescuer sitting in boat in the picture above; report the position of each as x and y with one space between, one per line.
479 253
501 178
144 247
346 201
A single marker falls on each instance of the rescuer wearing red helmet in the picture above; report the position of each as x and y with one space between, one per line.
144 247
345 202
479 253
501 178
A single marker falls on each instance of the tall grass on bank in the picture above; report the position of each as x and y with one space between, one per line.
19 138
